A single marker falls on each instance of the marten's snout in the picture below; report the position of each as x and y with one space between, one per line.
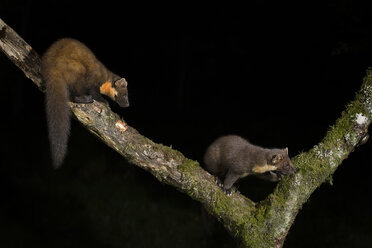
123 101
122 98
291 169
124 105
287 168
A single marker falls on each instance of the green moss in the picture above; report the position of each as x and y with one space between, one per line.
304 162
169 152
255 226
189 165
343 128
261 213
330 180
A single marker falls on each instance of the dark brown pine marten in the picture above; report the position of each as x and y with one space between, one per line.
232 157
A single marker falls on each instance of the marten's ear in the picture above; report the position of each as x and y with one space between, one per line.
122 83
286 150
276 158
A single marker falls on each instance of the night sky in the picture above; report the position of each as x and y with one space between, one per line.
278 74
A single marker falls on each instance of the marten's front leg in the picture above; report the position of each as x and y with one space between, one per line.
96 95
230 178
80 95
83 99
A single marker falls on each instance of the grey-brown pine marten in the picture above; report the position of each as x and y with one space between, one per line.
232 157
73 73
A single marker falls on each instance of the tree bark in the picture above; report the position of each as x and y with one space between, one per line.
263 224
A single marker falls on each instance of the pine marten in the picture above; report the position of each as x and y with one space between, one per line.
232 157
72 73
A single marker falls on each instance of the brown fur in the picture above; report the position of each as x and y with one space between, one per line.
232 157
73 73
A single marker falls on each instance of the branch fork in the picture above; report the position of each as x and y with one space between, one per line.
263 224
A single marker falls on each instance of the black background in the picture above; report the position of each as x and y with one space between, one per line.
276 73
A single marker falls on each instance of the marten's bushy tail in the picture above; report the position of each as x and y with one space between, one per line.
58 117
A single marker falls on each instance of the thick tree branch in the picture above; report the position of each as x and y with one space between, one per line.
167 165
263 224
21 54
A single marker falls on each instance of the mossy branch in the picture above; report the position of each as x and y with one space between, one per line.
263 224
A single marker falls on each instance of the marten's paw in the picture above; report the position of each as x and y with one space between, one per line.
218 181
228 192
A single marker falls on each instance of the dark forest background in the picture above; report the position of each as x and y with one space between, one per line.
276 73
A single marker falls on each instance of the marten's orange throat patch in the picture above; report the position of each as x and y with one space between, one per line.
108 90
